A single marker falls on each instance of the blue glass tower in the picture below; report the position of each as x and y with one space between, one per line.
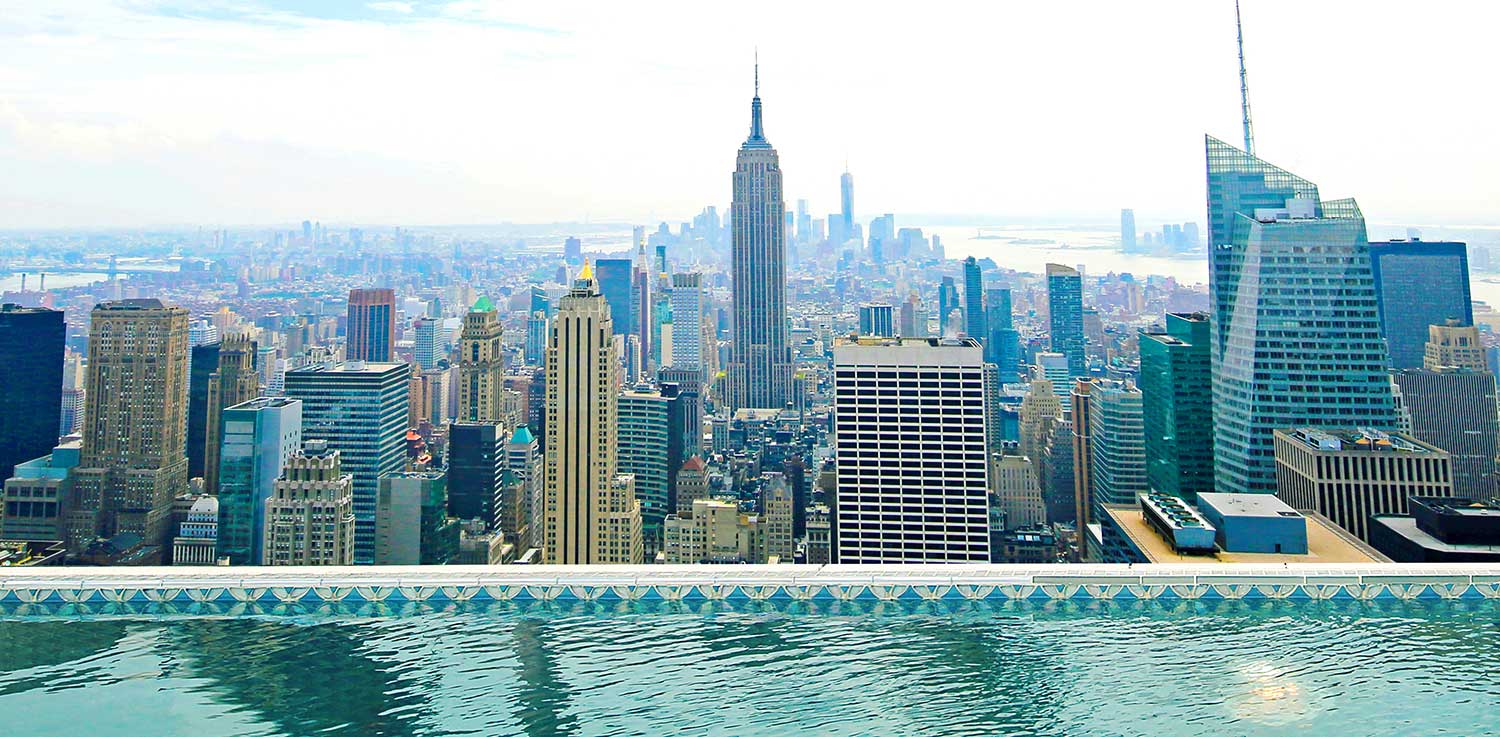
974 317
1417 284
1065 307
616 277
1295 336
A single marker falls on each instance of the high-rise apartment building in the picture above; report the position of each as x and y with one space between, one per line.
371 330
481 364
760 355
235 381
591 515
1455 409
1349 475
1065 311
310 516
1294 329
258 437
1417 284
1177 406
359 409
31 382
133 463
912 480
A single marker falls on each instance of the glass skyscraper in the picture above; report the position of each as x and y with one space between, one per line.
259 436
1177 404
616 277
1065 308
974 317
1295 337
1417 284
31 378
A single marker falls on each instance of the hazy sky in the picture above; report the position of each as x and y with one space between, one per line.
128 112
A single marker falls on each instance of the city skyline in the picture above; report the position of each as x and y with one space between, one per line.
293 114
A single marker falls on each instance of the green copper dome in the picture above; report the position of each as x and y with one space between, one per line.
483 304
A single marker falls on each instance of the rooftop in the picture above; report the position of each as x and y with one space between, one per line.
349 367
1326 543
1343 439
1407 528
1247 505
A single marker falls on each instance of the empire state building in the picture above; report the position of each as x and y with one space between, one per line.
760 360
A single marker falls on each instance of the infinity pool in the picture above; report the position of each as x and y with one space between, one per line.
765 668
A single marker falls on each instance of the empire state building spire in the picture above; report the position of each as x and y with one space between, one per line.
757 137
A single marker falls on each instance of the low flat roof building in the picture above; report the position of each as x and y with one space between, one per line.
1440 530
1351 474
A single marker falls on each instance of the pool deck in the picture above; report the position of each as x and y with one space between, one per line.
396 584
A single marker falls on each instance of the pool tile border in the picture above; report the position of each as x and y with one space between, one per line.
216 590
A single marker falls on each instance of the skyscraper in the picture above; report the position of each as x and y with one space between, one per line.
427 343
846 205
1454 409
592 514
203 361
1349 475
1417 284
1117 448
481 364
1002 346
1294 338
1177 407
31 380
1065 310
259 436
536 338
912 480
947 302
1454 345
1127 230
689 316
133 464
643 439
412 526
877 320
760 358
616 279
358 409
310 516
974 317
523 514
235 381
372 324
476 461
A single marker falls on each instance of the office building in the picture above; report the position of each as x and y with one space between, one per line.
1039 411
709 532
1177 406
975 320
359 409
818 536
1221 529
644 435
31 382
689 310
37 497
591 514
777 511
1454 345
877 320
371 329
760 357
310 516
1294 329
1417 284
846 207
1117 447
233 382
1127 230
203 361
1348 475
616 280
1440 530
692 484
259 436
1455 409
947 303
427 342
521 513
1015 492
133 462
74 376
1078 434
412 526
481 364
196 542
1065 314
573 250
912 477
536 338
476 463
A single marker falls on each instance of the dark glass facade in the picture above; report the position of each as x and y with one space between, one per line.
1177 404
31 346
1417 284
476 461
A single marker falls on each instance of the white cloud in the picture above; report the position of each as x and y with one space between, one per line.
391 7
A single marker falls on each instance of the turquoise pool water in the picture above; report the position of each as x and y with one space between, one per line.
1146 668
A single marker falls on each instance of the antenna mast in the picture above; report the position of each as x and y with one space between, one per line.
1239 33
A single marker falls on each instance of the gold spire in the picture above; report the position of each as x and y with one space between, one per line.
588 270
